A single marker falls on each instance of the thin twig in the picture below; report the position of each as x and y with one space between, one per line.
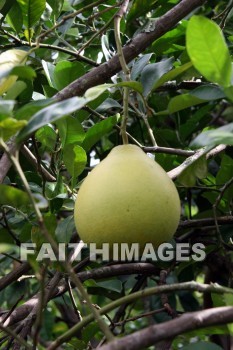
125 68
174 173
191 286
146 314
66 18
216 204
68 267
98 33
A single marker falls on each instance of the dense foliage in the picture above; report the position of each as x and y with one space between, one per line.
64 100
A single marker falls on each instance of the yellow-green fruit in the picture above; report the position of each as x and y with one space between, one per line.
127 198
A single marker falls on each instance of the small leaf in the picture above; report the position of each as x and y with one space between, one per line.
50 114
97 131
32 11
13 196
208 50
29 34
153 72
49 69
15 17
16 90
212 138
208 92
202 345
8 60
70 131
197 169
75 160
31 108
140 7
65 72
47 137
139 65
135 85
96 91
65 229
6 108
171 75
180 102
10 126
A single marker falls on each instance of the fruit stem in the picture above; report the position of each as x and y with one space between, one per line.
125 116
124 67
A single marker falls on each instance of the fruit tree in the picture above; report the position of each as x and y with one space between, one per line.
116 174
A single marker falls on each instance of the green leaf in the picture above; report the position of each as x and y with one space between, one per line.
164 44
208 51
15 17
140 7
31 108
208 92
202 345
63 108
70 131
15 90
65 229
135 85
152 73
139 65
212 138
171 75
197 169
180 102
7 248
32 11
97 131
10 126
5 6
24 72
49 69
13 197
8 60
47 137
56 5
51 114
75 160
6 108
65 72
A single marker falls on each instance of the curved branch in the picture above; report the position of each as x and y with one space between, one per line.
187 322
107 271
137 45
101 74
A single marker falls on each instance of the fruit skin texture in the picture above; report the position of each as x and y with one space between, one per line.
127 198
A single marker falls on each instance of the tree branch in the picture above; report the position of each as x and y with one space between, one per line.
100 273
187 322
174 173
205 222
191 286
101 74
137 45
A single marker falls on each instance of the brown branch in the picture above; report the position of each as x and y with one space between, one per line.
168 150
137 45
14 275
108 271
5 162
33 160
174 173
223 220
101 74
187 322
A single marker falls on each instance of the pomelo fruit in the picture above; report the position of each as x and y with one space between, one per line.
127 198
